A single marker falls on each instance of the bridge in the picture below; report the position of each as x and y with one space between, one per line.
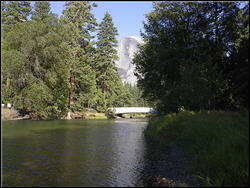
129 110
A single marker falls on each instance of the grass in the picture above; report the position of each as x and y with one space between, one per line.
217 142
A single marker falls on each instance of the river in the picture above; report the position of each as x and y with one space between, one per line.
73 152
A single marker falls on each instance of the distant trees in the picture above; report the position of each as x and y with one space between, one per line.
51 66
189 58
135 96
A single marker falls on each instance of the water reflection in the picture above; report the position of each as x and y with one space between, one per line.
129 147
72 153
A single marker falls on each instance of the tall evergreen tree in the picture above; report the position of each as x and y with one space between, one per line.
41 10
106 56
79 23
13 12
51 65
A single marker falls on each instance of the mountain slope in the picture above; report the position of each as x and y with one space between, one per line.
127 46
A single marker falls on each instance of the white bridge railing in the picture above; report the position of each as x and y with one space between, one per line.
126 110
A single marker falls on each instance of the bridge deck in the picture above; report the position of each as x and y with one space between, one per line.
126 110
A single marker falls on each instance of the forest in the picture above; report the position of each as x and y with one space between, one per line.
194 67
51 65
195 56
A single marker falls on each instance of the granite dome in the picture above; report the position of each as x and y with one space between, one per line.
127 47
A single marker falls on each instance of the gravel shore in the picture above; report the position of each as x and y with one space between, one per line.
170 169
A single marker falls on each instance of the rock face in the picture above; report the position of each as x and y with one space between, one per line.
127 46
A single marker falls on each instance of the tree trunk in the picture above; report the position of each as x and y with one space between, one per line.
68 116
72 83
88 105
105 97
104 90
7 83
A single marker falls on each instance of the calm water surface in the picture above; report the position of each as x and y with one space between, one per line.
73 152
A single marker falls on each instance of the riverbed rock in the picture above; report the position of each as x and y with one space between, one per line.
68 116
170 169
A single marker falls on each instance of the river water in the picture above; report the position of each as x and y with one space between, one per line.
73 152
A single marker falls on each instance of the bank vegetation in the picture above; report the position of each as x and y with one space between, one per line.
194 67
52 66
216 143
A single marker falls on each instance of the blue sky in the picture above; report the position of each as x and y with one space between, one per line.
127 16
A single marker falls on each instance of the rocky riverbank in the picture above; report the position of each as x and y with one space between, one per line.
86 115
12 114
169 169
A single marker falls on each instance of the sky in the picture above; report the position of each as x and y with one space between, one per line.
127 15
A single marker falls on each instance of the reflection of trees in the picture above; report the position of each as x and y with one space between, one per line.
87 156
75 153
32 153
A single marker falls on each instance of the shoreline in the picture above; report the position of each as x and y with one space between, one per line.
12 115
205 138
169 168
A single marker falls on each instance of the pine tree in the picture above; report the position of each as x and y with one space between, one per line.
41 12
14 12
79 23
106 56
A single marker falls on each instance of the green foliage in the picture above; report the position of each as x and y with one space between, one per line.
13 12
35 100
12 66
34 52
216 141
41 12
51 66
79 22
107 77
85 88
188 58
135 96
195 57
238 65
